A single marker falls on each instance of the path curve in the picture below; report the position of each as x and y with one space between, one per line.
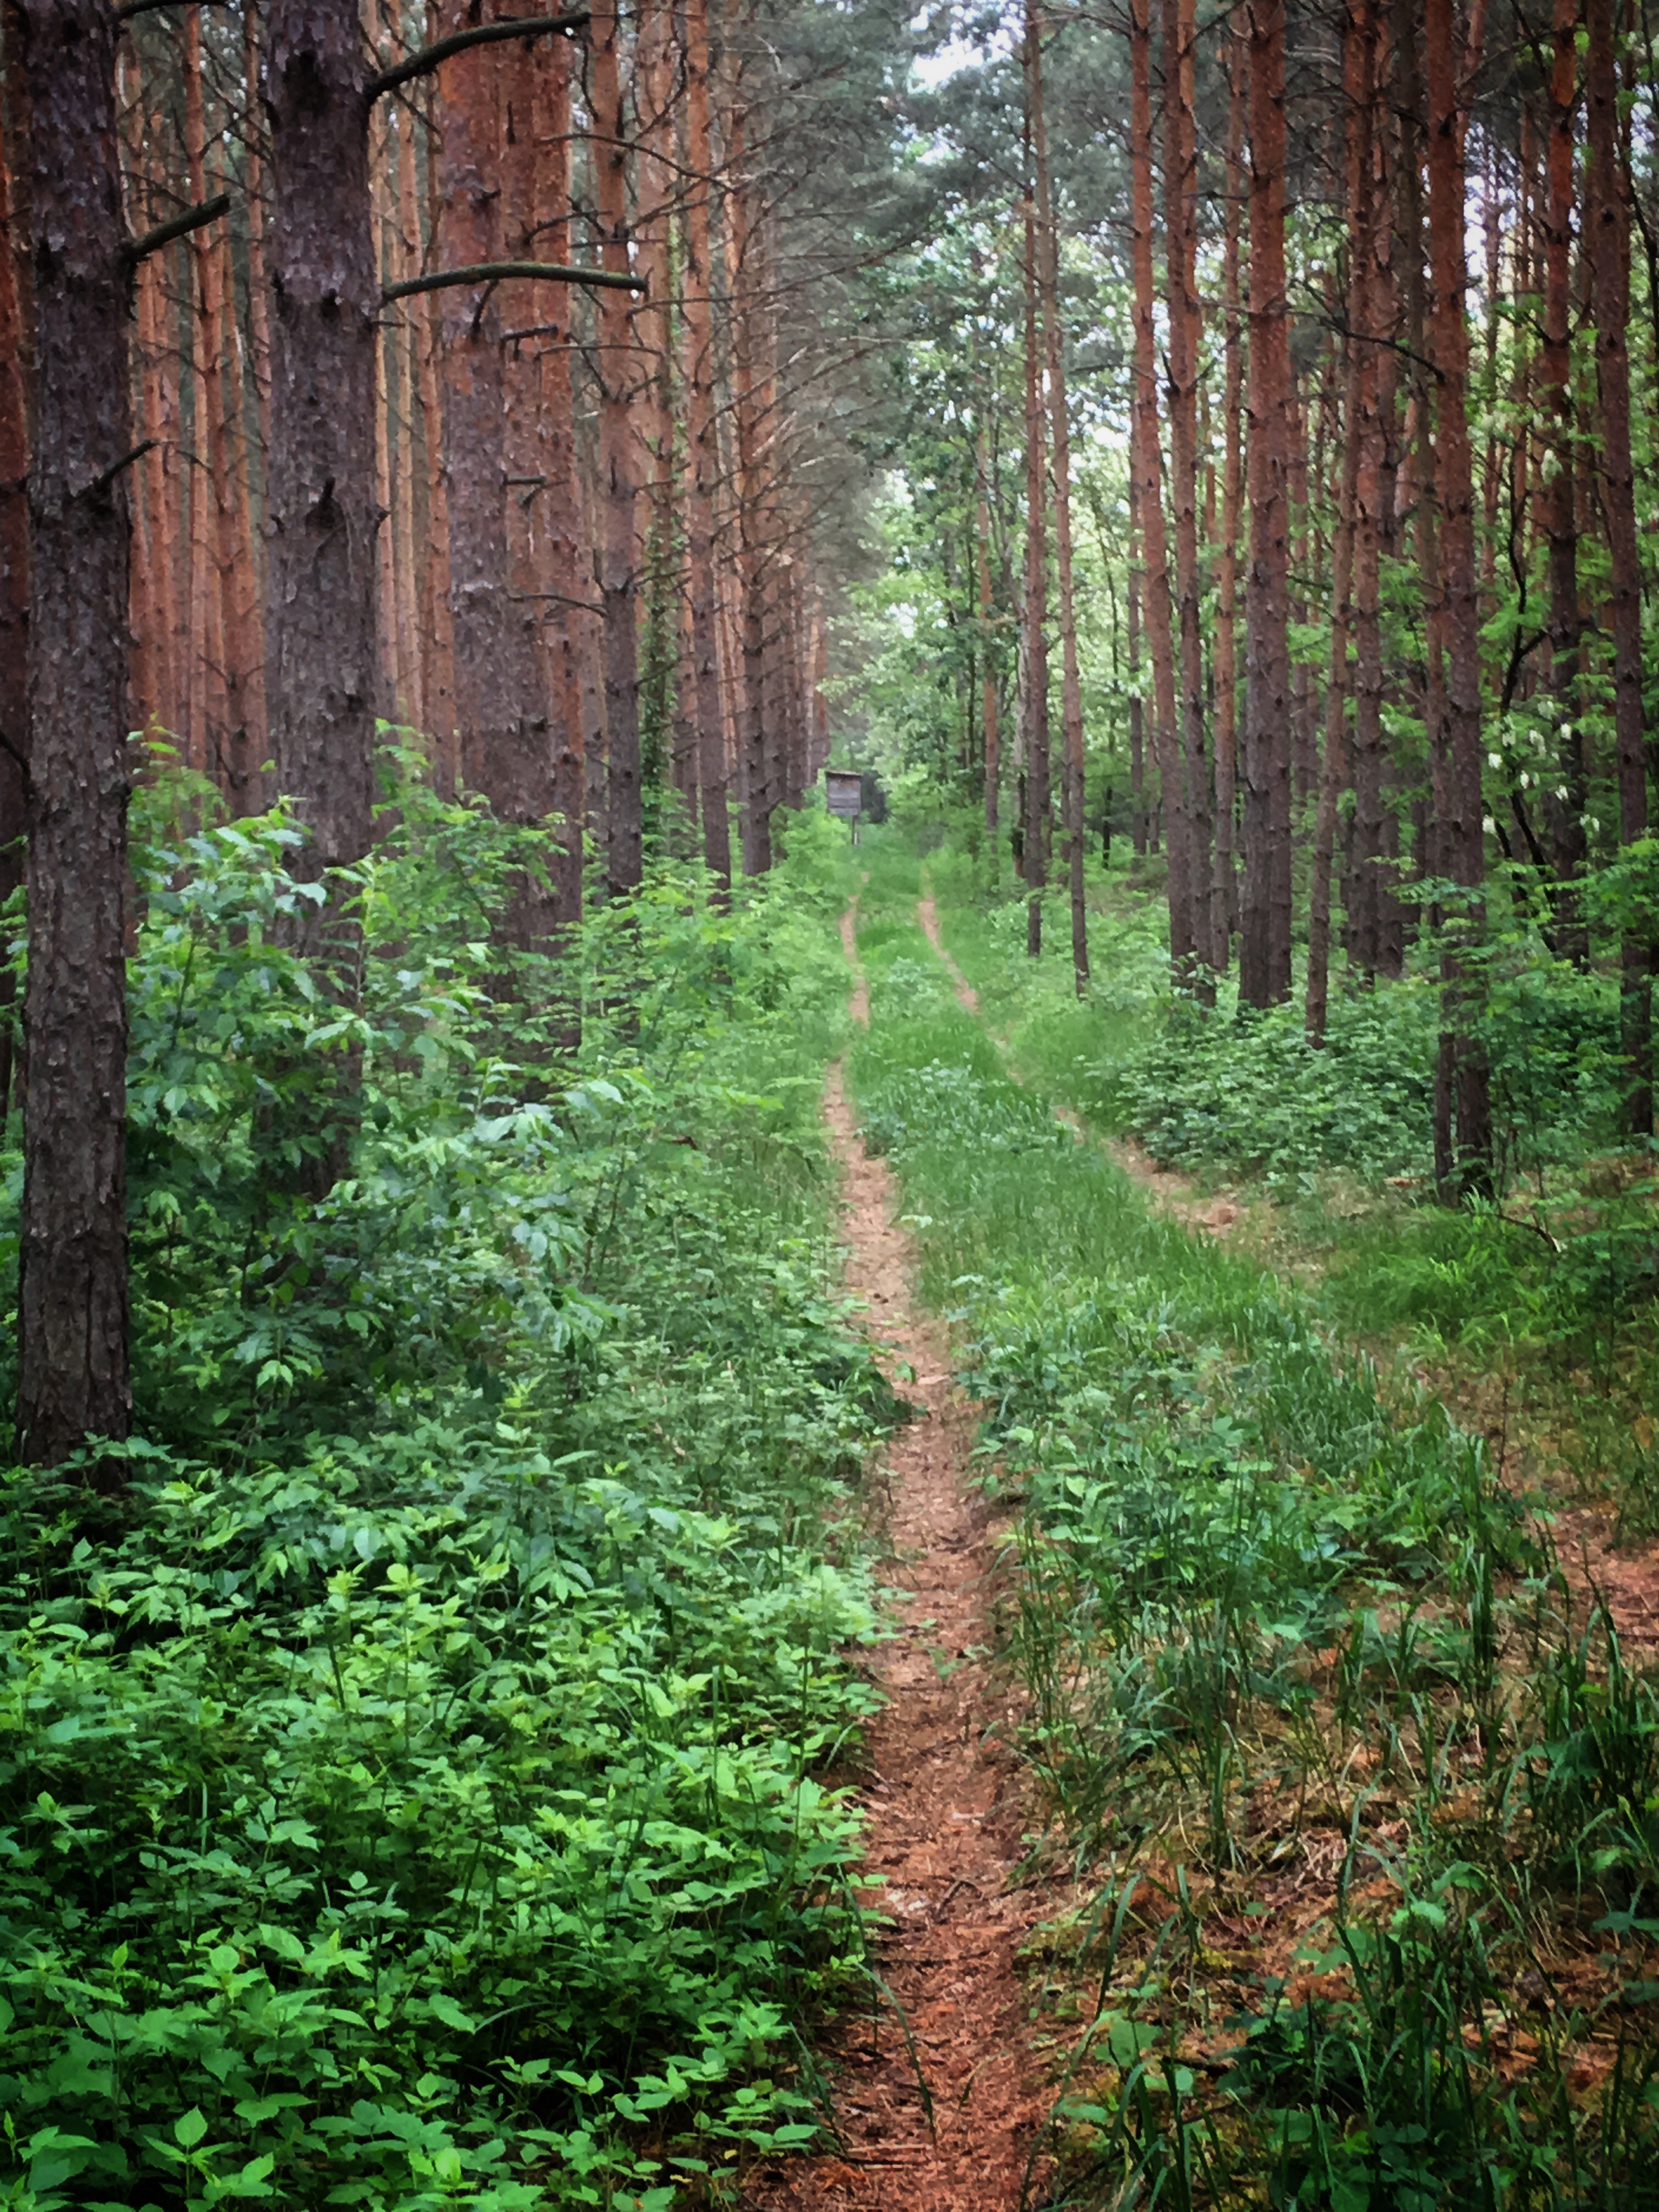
943 1798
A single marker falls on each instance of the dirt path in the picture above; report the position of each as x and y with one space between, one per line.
927 915
1171 1193
943 1800
1628 1581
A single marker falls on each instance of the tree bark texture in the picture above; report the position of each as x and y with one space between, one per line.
74 1379
618 550
1147 466
323 519
1061 448
1035 609
1359 89
1565 815
1465 838
703 456
15 352
1223 902
1181 235
1608 238
1264 954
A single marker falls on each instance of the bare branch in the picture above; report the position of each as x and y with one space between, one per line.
178 226
423 63
492 272
129 9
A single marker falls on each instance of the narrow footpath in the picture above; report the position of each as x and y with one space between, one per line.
938 2097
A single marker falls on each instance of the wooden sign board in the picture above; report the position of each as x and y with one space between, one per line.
844 792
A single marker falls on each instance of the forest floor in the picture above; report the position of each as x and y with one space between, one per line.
945 2082
939 2097
1624 1576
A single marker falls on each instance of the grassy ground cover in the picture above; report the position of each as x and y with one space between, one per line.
1362 1807
411 1784
1540 1309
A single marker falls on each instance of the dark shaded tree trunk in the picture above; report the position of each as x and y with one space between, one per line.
1608 238
1223 899
1034 610
1455 486
1060 447
1148 469
1565 815
1264 951
1137 810
564 571
501 701
74 1375
990 709
1180 270
323 518
15 352
1358 72
703 456
619 564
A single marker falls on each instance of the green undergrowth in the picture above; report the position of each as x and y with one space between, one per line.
1362 1808
1544 1304
413 1782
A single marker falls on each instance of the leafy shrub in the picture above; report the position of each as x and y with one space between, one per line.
411 1794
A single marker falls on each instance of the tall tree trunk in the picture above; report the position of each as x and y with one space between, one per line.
1047 265
1465 842
1359 62
1147 468
243 629
406 336
1224 904
15 350
618 552
1181 235
323 519
742 283
1137 697
1565 815
991 701
74 1375
437 627
1264 955
703 456
1035 607
566 575
208 492
1607 236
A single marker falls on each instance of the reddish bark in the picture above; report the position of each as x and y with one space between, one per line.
1565 815
1607 235
1147 468
1034 611
1223 907
991 701
208 492
322 517
1048 262
1465 841
1264 955
1358 66
702 455
565 574
618 551
500 697
1181 234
